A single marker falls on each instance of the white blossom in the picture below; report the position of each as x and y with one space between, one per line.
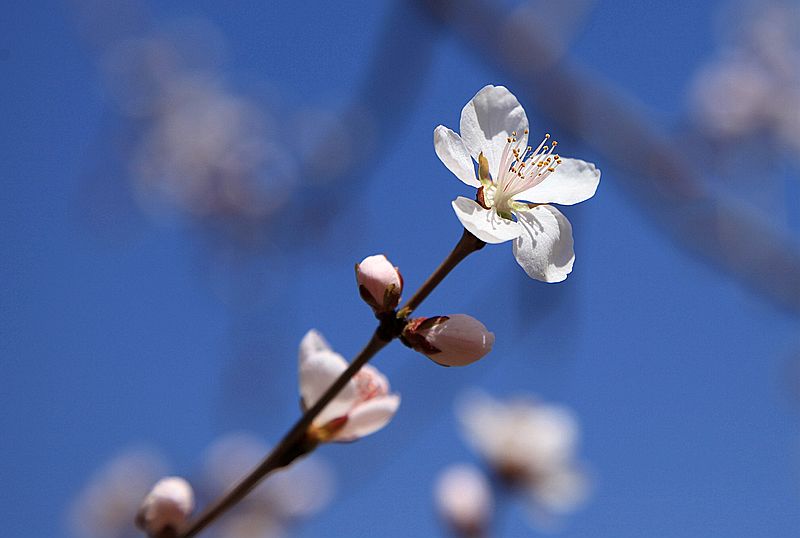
529 444
362 407
515 181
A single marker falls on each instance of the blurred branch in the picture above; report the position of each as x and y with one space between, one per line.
730 236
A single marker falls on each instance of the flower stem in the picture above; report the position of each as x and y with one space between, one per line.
465 246
291 446
295 443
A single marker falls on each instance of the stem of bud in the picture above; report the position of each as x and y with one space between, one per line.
295 443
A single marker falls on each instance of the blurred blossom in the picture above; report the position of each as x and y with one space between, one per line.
530 446
752 87
464 500
166 509
515 180
732 97
362 407
107 506
299 491
198 145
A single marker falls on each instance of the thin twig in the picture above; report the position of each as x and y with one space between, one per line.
295 443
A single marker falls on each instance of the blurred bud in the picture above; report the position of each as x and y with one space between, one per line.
456 340
107 505
464 499
379 283
166 508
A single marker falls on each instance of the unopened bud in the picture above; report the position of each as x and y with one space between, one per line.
379 283
456 340
166 508
464 500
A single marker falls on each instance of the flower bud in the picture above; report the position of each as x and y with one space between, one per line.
379 283
464 499
166 508
455 340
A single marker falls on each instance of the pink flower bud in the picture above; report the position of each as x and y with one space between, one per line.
166 508
379 283
455 340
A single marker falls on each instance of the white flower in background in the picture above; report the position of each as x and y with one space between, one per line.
732 97
464 499
455 340
530 445
363 406
295 492
107 506
167 507
380 283
515 181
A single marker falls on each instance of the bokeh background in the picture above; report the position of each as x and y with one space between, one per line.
187 185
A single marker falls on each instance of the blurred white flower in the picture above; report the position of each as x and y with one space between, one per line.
455 340
530 445
464 499
167 507
379 283
752 88
200 146
296 492
362 407
515 180
731 98
107 506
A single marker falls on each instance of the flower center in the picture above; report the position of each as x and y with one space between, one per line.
522 168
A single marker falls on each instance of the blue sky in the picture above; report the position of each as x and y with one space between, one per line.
119 330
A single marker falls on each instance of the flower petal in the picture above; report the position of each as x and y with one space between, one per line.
313 342
485 224
488 120
369 417
573 181
317 372
544 248
454 154
561 490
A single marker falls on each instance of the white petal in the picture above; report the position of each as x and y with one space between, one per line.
562 490
311 343
485 224
370 382
318 371
369 417
454 154
488 120
573 181
544 248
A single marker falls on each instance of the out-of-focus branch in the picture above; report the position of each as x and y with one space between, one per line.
732 237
